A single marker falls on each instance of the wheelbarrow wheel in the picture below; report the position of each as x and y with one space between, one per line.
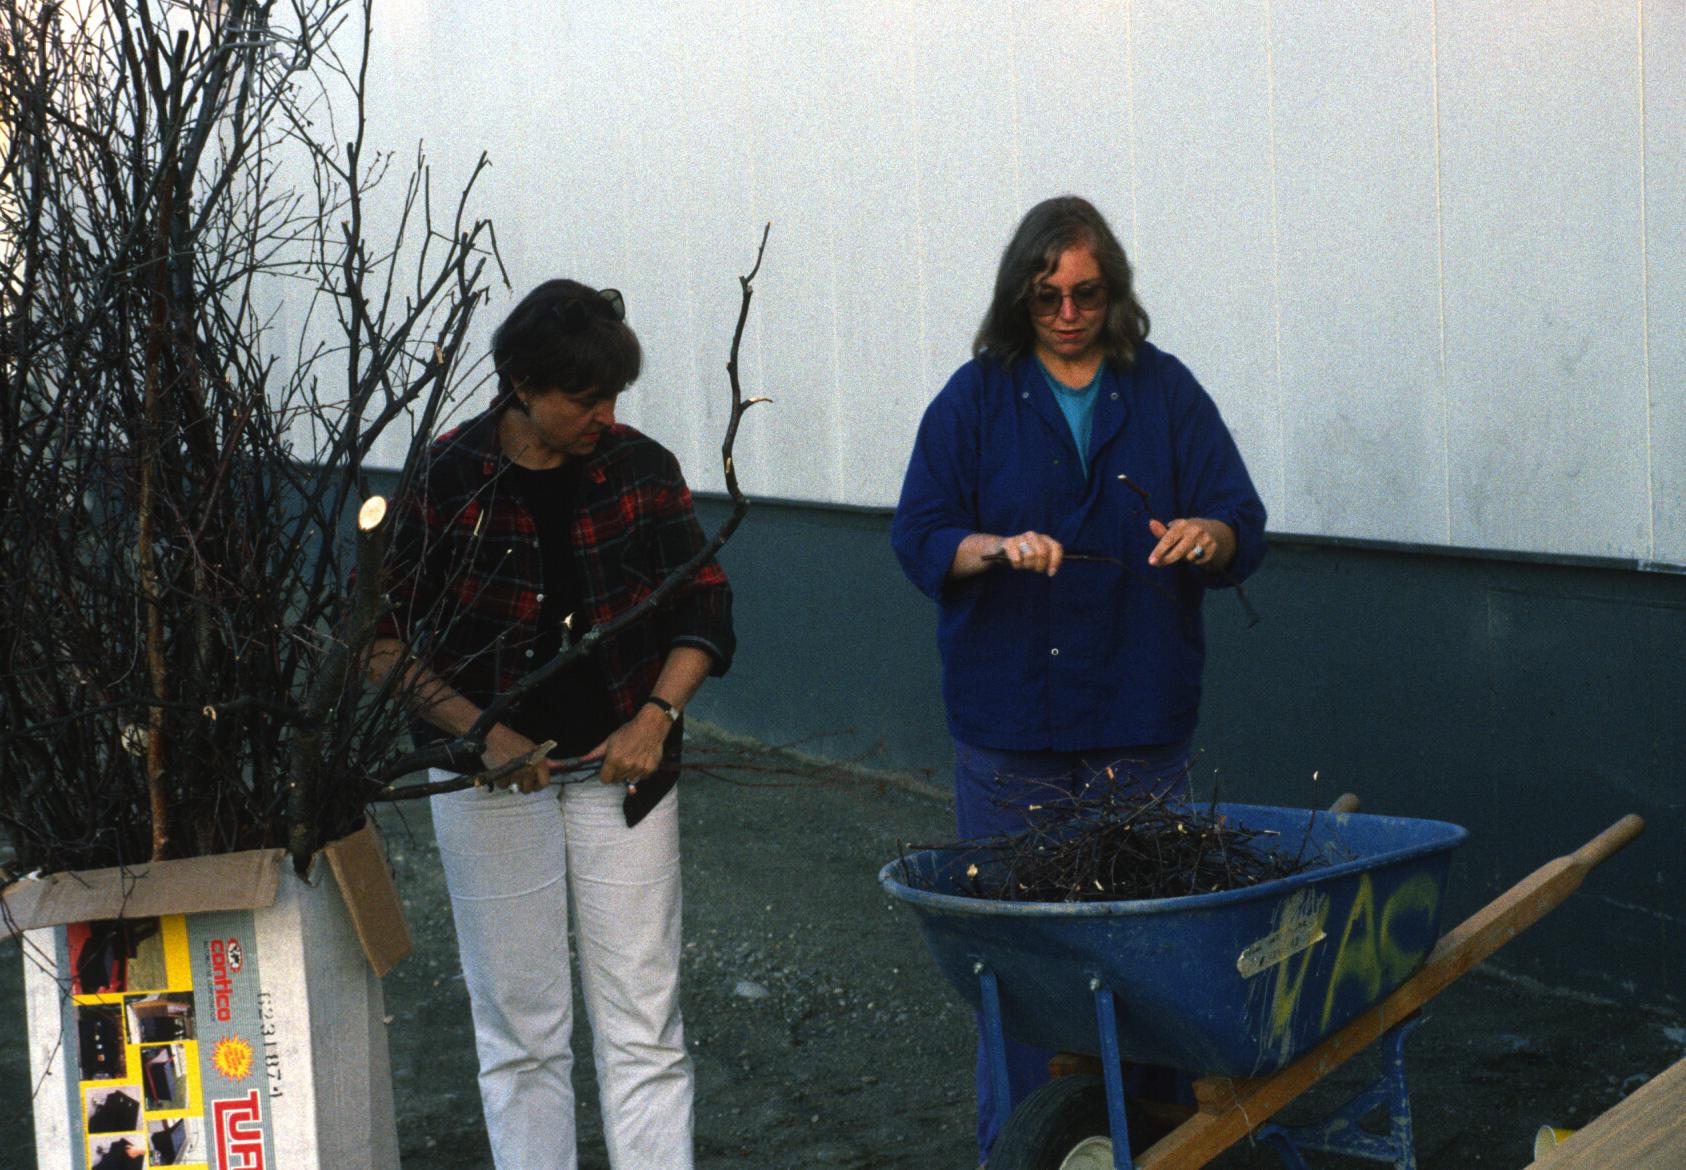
1061 1126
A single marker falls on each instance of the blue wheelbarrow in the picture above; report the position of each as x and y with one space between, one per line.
1258 992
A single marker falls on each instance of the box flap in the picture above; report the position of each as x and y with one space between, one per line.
365 879
223 881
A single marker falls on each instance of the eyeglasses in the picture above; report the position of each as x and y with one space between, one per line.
606 303
1046 301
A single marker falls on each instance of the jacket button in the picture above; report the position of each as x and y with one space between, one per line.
530 653
538 597
1055 652
1025 394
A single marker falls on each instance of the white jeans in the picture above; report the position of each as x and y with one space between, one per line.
510 861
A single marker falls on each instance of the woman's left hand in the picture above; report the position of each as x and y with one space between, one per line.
633 750
1205 544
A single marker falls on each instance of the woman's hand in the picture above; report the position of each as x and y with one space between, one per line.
1206 544
504 744
633 750
1033 552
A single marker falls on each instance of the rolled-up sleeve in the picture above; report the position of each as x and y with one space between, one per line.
938 505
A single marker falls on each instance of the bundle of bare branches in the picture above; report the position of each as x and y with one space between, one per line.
1109 842
200 345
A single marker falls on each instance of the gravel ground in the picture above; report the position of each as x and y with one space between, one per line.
823 1035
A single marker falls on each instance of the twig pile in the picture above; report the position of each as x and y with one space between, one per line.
1111 843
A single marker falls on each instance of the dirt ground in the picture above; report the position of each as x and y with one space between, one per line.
823 1035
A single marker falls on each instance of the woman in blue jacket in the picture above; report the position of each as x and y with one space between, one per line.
1071 496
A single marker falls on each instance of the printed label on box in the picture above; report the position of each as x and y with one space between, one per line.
171 1059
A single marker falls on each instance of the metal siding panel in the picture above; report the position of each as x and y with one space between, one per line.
1355 170
1543 280
1204 211
1665 243
667 400
549 149
1286 192
798 108
538 152
878 391
1073 104
691 227
968 175
712 183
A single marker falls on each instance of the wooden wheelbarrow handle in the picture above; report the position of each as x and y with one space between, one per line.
1599 850
1231 1108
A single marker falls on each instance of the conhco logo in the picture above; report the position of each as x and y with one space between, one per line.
227 958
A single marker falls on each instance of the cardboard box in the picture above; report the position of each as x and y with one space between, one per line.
217 1012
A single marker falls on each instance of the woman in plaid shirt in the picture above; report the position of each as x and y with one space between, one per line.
534 522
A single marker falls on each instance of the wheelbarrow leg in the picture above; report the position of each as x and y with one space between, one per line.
1341 1133
1112 1070
1106 1021
995 1045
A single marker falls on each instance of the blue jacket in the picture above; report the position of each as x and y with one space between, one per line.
1097 655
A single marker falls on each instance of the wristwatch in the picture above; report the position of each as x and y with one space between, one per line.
665 707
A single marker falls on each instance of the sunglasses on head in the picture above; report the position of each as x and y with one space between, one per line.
606 303
1045 300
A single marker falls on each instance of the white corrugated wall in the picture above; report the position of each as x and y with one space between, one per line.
1428 255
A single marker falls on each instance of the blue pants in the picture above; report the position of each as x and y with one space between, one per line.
991 791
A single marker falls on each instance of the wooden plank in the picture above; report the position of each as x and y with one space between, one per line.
1644 1131
1232 1108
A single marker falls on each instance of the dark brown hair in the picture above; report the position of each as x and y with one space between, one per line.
565 336
1046 231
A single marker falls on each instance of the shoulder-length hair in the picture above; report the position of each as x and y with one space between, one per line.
566 336
1046 231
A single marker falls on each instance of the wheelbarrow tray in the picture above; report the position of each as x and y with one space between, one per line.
1236 983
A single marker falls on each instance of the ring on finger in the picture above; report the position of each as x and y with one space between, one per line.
1024 547
1199 553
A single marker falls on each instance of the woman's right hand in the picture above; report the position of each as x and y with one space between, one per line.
504 744
1034 552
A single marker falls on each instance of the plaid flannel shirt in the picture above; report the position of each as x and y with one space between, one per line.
464 576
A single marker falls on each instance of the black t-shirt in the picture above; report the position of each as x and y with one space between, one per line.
572 707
